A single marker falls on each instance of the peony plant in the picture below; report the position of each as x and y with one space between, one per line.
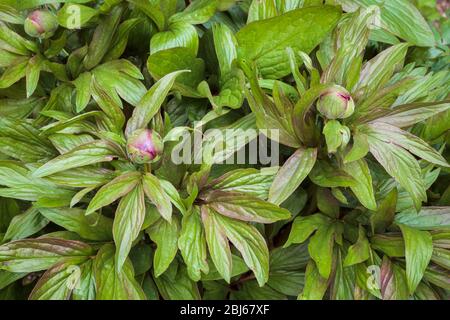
127 160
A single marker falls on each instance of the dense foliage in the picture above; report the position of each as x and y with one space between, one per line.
95 97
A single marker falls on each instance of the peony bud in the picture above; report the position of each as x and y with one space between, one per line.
144 146
41 24
336 103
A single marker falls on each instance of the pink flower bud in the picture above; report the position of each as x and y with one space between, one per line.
41 24
336 103
144 146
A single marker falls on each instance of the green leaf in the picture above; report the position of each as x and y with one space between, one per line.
151 103
66 122
344 284
321 247
153 10
238 267
429 218
265 41
83 90
84 177
335 135
419 249
171 60
175 284
409 114
174 196
90 153
437 276
292 174
9 208
359 149
347 46
401 165
179 34
383 216
249 181
218 245
128 222
6 278
28 4
25 225
165 235
192 244
155 192
115 118
303 227
102 38
393 281
32 74
260 10
327 203
391 245
231 81
57 282
401 18
120 39
22 185
31 255
325 175
114 190
315 285
112 284
289 259
93 227
244 207
269 115
141 258
406 140
24 151
198 12
251 291
117 78
250 243
11 14
67 142
13 74
18 43
435 126
379 70
17 109
21 130
363 188
358 252
85 288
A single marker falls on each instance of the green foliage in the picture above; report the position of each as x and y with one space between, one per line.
358 91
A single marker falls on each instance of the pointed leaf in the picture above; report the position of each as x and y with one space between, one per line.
151 102
128 222
114 190
292 174
165 235
419 249
155 192
90 153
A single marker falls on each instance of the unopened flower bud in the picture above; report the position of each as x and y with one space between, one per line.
336 103
144 146
41 24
